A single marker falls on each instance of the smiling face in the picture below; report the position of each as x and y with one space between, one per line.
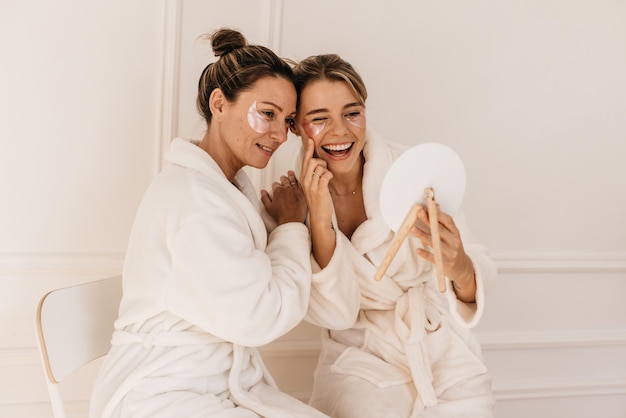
253 126
331 114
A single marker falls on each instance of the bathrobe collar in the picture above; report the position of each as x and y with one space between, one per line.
187 154
378 158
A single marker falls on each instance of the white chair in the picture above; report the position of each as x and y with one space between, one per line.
74 326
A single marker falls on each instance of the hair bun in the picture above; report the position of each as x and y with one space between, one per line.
227 40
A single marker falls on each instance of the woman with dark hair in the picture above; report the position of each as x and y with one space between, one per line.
203 283
410 352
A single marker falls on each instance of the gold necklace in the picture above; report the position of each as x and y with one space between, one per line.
353 193
359 185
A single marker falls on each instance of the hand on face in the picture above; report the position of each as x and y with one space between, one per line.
314 178
286 204
457 264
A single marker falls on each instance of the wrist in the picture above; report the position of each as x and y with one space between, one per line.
465 288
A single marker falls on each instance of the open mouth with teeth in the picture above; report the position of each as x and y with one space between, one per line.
268 150
338 150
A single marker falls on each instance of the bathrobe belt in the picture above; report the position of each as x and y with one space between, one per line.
158 338
417 313
240 365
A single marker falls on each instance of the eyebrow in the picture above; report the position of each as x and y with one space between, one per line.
322 110
273 104
280 109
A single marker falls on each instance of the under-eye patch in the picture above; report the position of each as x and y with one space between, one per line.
357 119
256 121
313 129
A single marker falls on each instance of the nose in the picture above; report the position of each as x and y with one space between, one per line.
338 127
278 132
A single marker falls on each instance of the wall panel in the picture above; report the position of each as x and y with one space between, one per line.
529 94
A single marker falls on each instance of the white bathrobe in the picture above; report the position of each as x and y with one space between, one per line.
203 285
410 353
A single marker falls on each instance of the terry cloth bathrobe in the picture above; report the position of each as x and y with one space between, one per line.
203 285
410 353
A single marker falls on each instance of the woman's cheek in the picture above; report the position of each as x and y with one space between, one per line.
313 130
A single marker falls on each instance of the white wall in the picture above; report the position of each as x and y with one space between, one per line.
529 93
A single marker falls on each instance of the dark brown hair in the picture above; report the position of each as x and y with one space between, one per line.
238 67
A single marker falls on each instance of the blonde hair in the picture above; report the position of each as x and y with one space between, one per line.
329 67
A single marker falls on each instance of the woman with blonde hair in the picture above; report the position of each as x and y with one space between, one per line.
410 352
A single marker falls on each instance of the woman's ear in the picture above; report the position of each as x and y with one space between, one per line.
217 100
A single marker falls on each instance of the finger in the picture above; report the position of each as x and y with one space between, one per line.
423 220
308 155
425 254
447 228
275 185
284 181
422 235
326 175
448 222
292 178
449 235
320 169
266 199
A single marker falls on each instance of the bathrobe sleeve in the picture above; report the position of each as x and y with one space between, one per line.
224 283
335 295
468 314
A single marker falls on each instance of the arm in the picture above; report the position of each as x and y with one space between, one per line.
231 286
314 179
335 293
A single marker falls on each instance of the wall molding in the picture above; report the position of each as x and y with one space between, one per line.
274 25
12 357
491 341
514 389
73 409
558 388
168 88
510 262
51 264
532 340
527 390
562 262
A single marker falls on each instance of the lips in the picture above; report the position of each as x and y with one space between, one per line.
265 148
338 150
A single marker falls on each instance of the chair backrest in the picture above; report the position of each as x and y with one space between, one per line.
74 326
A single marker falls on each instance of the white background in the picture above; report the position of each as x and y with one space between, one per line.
531 94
